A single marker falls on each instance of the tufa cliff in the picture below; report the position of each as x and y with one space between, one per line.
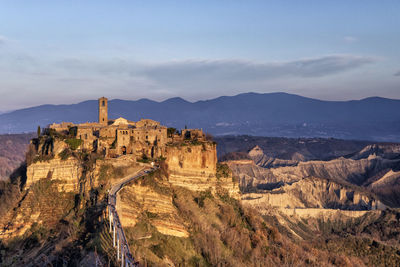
194 166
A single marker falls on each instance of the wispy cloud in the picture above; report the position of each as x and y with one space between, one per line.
248 70
350 39
221 69
3 39
397 73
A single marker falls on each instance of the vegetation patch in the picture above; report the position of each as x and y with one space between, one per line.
223 171
73 143
152 248
114 144
144 159
156 181
202 196
108 172
65 154
171 131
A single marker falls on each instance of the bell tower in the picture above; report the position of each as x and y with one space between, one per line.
103 111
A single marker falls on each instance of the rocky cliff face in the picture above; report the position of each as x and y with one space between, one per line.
358 172
187 165
192 159
259 158
155 203
70 171
67 172
313 193
194 166
389 151
387 186
354 171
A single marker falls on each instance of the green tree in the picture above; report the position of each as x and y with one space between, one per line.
171 131
38 131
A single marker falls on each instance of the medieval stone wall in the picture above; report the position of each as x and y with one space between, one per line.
151 135
86 135
108 132
147 123
196 134
125 142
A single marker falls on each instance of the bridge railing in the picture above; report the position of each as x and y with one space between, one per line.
119 239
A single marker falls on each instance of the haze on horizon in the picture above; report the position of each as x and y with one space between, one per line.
68 51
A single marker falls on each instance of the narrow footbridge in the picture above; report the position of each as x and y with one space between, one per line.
119 240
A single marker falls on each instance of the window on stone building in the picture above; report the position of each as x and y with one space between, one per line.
103 103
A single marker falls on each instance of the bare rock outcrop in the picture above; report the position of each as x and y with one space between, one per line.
358 172
388 179
138 198
311 185
259 158
67 172
313 193
389 151
194 167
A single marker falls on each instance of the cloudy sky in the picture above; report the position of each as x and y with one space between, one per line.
69 51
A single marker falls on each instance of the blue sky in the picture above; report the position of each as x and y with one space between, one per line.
69 51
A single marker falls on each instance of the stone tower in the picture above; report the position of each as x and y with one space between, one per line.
103 111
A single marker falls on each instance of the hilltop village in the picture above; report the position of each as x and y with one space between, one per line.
120 136
73 169
66 152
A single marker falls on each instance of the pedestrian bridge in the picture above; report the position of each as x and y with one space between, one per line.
119 239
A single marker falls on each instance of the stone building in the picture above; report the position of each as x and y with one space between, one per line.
103 111
194 134
120 136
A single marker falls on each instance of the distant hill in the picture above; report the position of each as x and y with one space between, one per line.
297 149
273 114
12 152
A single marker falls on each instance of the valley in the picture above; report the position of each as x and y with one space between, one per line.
332 202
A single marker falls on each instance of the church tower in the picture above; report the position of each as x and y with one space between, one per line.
103 111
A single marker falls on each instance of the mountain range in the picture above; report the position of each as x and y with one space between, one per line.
270 114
